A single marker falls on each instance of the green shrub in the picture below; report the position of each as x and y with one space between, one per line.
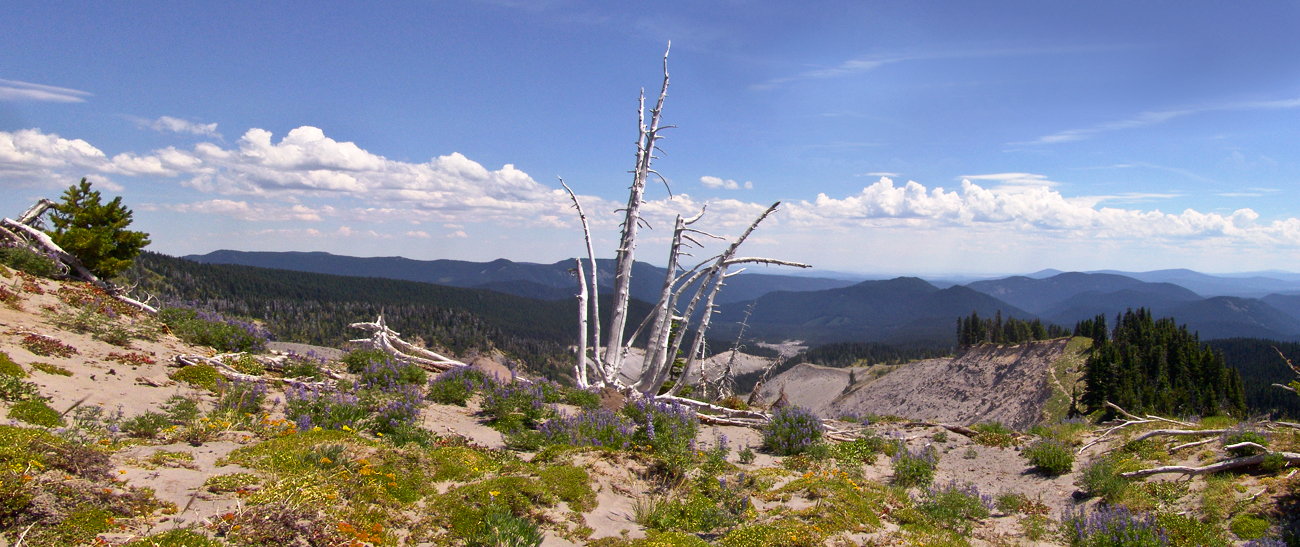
36 412
213 330
180 409
204 376
503 529
12 389
858 451
669 429
146 425
1100 477
455 386
1050 456
792 430
955 506
241 397
357 360
9 368
28 261
586 399
1245 434
746 455
994 434
914 468
391 372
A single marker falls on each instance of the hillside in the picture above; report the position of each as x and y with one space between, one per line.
544 281
901 310
1066 298
316 309
1011 385
147 453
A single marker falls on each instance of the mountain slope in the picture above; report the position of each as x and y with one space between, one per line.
1213 285
903 309
1040 295
506 276
1285 303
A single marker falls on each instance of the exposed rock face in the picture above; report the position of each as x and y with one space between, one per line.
1008 384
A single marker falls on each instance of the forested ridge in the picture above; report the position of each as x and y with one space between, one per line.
317 309
1148 365
972 330
1260 366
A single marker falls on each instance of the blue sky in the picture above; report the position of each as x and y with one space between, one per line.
929 138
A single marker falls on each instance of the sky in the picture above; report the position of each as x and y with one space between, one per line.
926 138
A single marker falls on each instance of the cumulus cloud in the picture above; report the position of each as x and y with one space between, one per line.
309 177
176 125
242 210
728 184
13 90
419 233
1040 209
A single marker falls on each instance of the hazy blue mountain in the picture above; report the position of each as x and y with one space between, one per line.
1286 303
1086 305
1040 295
905 309
1233 317
1214 285
544 281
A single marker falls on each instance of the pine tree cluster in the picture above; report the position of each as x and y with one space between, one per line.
972 330
1148 365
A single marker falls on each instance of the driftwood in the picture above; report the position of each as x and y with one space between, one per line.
21 232
1235 463
231 373
390 342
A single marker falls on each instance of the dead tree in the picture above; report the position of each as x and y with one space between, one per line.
669 325
25 233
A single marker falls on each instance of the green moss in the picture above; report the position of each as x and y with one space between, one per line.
230 482
36 412
1185 531
1249 527
176 538
843 503
9 368
571 484
204 376
50 368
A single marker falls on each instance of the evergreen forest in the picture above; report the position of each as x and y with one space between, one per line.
1148 365
973 330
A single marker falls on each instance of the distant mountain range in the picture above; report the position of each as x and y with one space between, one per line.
900 310
540 281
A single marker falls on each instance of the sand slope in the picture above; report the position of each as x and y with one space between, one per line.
1009 384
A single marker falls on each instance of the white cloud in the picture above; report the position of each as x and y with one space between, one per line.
728 184
13 90
177 125
457 234
1012 182
243 211
30 157
1038 209
419 233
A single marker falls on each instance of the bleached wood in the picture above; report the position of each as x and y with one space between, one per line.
580 367
1245 461
607 376
42 239
1178 432
646 140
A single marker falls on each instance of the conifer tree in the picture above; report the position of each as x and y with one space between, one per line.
96 232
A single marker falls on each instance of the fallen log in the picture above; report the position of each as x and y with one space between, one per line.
1235 463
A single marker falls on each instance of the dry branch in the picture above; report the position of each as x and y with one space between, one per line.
1246 461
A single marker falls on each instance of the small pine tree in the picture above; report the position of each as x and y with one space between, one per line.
95 232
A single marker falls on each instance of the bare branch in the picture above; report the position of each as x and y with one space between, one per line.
1289 457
